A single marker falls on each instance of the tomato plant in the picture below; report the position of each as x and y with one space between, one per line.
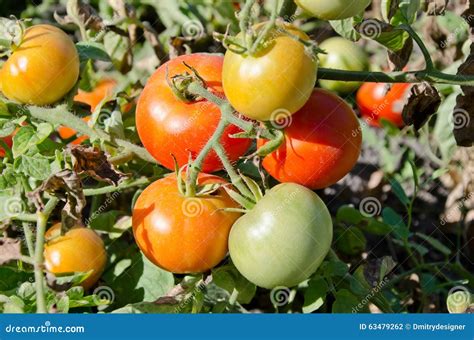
279 244
78 250
342 54
181 234
322 143
23 76
170 127
377 101
255 84
310 210
333 9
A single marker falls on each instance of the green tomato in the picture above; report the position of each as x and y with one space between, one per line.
333 9
345 55
283 239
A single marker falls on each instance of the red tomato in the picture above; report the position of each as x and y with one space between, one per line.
183 234
322 143
376 103
168 126
103 89
9 141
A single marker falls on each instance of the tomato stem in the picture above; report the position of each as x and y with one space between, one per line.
419 42
42 220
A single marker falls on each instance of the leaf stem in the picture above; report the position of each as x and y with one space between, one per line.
114 188
39 256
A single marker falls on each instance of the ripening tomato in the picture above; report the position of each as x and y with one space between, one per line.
342 54
322 143
376 101
42 69
103 89
183 234
333 9
80 249
9 141
169 126
283 239
274 83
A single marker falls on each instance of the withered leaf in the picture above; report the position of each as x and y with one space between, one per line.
10 249
435 7
93 162
82 15
463 115
400 58
423 101
66 185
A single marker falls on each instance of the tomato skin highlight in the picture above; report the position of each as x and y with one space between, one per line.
103 89
277 80
43 69
376 103
80 249
168 126
322 143
180 234
342 54
333 9
283 239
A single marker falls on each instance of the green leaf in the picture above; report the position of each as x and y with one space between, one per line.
8 178
395 221
399 192
345 28
349 214
315 294
350 241
141 281
435 244
346 302
229 278
11 276
334 268
91 50
375 227
147 307
28 137
36 166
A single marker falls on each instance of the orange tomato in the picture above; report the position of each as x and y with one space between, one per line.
103 89
42 69
9 141
80 249
183 234
322 143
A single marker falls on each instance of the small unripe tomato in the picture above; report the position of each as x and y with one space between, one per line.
377 102
80 249
333 9
275 82
183 234
42 69
342 54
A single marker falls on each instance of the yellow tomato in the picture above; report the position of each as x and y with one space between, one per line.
274 83
78 250
42 69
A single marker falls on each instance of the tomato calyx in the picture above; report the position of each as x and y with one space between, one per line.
179 84
12 31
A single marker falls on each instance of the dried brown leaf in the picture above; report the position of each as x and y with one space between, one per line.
423 101
10 249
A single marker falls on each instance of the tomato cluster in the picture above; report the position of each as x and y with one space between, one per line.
285 235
